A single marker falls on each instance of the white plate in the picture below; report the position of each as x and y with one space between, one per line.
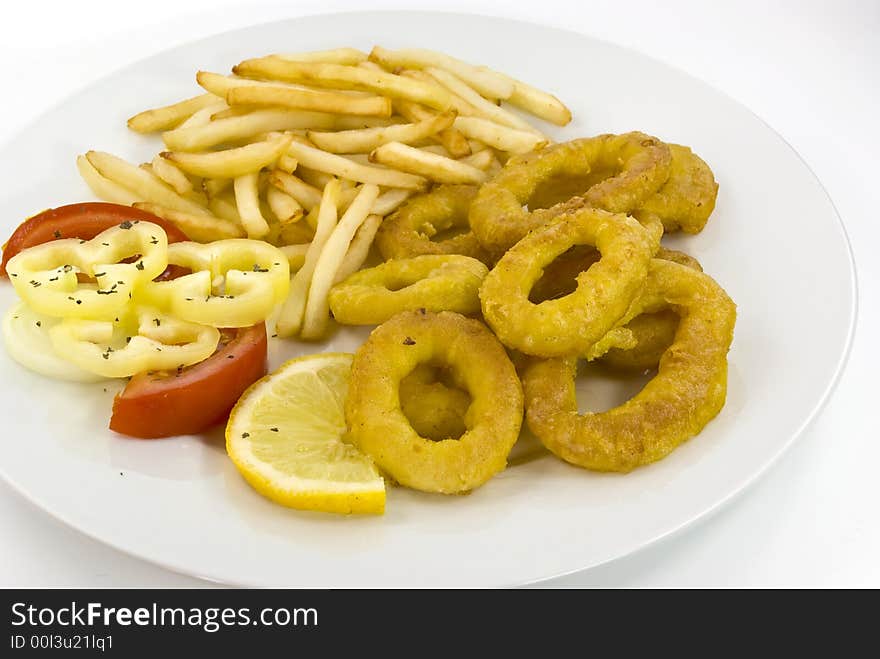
775 243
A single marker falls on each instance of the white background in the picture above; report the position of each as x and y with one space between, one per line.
810 69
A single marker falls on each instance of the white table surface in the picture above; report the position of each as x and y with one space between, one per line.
810 69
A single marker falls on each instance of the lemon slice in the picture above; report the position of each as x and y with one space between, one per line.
285 436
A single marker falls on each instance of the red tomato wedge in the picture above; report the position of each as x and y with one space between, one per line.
83 221
195 398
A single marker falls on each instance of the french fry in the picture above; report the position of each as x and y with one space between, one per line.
451 139
345 122
144 185
308 156
224 207
316 178
201 228
296 255
290 319
220 85
287 163
389 201
228 112
283 206
171 175
348 56
247 200
308 196
214 186
235 129
460 105
485 81
359 249
346 197
295 233
169 116
317 312
103 187
364 141
307 99
360 158
204 116
336 76
539 103
435 167
499 137
439 149
482 160
482 107
370 66
230 163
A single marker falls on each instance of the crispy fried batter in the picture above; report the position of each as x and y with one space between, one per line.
418 227
614 172
379 427
688 391
652 332
573 323
446 282
687 199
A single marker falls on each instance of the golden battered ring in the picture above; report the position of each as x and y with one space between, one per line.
688 391
571 324
410 230
687 199
378 426
613 172
652 333
435 282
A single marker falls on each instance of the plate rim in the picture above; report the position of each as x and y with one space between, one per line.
709 510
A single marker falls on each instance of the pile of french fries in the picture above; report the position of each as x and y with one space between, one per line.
309 151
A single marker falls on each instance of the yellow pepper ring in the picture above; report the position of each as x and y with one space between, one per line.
431 282
145 340
45 276
688 391
255 276
410 231
613 172
573 323
379 427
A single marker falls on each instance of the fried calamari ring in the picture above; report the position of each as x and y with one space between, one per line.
573 323
648 335
378 426
560 277
413 229
446 282
688 391
435 406
652 333
687 199
615 172
681 258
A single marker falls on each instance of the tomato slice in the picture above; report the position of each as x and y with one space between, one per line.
194 399
83 221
